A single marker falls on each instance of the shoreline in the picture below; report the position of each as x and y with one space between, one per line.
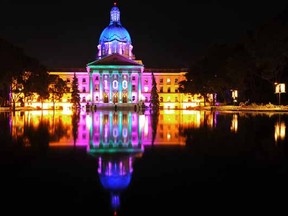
248 108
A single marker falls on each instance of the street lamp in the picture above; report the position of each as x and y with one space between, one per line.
279 88
234 95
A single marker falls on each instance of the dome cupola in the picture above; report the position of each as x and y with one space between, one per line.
115 38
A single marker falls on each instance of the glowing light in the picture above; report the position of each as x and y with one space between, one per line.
280 131
168 136
234 123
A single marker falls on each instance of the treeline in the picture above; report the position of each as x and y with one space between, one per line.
23 78
252 66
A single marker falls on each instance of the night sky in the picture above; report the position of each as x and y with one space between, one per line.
65 34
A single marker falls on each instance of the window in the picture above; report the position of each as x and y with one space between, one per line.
146 81
168 81
84 89
161 81
146 99
133 98
133 78
68 80
96 78
133 88
176 81
97 98
161 99
161 89
84 80
96 87
168 90
176 99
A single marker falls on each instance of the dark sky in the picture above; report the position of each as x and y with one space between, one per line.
164 34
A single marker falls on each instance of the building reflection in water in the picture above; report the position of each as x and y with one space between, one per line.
280 130
109 128
115 139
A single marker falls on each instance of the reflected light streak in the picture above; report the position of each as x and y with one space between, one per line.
280 131
234 123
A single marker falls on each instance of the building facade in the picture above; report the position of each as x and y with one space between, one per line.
116 77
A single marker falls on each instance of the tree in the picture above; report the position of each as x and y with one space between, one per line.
11 66
57 89
21 75
75 125
154 97
154 107
75 97
35 81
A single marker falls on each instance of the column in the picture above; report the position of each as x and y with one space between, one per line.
91 88
110 90
129 88
101 129
100 88
120 127
120 87
129 129
110 128
139 87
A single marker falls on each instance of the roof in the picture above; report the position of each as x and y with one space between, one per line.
114 59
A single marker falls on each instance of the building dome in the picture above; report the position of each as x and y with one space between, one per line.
115 38
115 31
115 182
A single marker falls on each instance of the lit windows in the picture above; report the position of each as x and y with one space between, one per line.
168 81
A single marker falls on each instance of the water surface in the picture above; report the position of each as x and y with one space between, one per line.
128 163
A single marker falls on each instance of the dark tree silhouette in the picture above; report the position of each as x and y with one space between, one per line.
75 124
154 97
154 108
57 89
75 97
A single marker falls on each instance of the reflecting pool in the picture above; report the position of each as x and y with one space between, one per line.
130 163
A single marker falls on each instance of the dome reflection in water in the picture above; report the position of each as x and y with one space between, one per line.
191 152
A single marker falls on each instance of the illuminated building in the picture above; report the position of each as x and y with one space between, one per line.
116 77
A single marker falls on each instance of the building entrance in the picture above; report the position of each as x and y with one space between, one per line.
124 98
105 98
